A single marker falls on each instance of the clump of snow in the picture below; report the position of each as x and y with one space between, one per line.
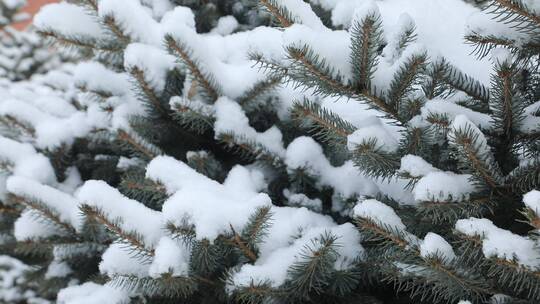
443 187
196 198
64 204
116 83
462 124
384 139
26 227
225 26
119 259
226 58
154 62
58 269
128 215
92 293
68 19
375 210
72 181
301 200
125 163
212 208
435 245
179 16
416 166
231 118
369 8
451 110
170 257
393 50
23 160
281 249
346 13
143 28
324 43
500 243
55 105
159 7
304 153
50 130
302 13
532 201
116 206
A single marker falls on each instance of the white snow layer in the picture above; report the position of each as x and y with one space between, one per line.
62 203
416 166
451 110
231 118
305 153
428 16
23 160
68 19
435 245
380 213
212 208
170 257
196 198
281 249
28 227
500 243
92 293
116 206
532 201
443 187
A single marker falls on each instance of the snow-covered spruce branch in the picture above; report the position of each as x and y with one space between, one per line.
248 148
426 267
510 267
45 213
375 161
201 79
521 16
477 158
130 238
138 145
258 91
366 38
516 12
321 122
278 11
136 186
406 78
148 92
193 114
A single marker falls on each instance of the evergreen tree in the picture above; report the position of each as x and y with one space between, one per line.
198 155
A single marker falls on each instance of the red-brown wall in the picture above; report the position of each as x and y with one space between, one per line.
32 8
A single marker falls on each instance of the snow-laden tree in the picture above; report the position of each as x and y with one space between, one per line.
280 152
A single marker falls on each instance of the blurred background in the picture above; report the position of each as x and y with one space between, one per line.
32 8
